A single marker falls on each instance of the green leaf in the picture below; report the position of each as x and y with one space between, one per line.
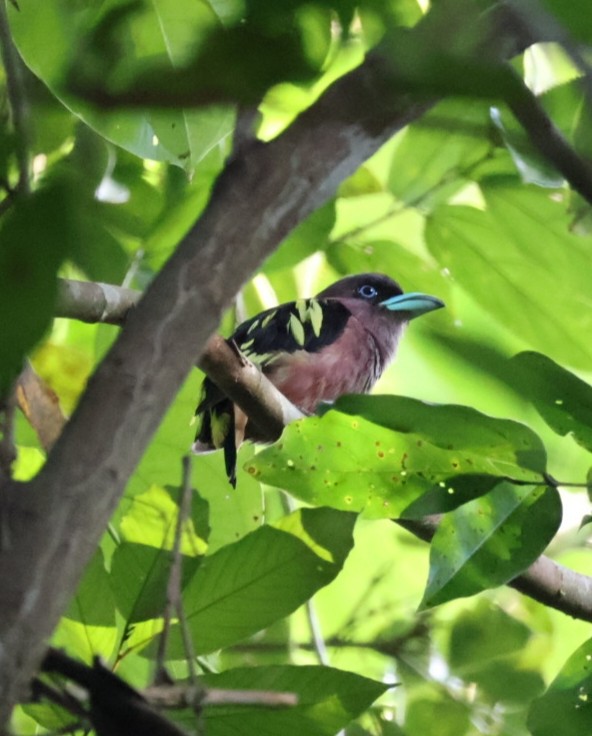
490 540
89 625
565 105
362 182
562 399
533 167
93 603
495 255
139 579
246 586
566 707
574 16
471 644
309 237
53 36
440 149
452 716
378 454
328 699
35 236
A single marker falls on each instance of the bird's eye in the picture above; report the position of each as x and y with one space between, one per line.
367 292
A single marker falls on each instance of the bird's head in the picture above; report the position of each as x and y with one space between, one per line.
383 292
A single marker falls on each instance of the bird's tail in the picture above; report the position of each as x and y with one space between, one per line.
216 428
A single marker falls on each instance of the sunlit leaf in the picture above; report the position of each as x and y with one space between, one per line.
379 454
248 585
89 625
151 520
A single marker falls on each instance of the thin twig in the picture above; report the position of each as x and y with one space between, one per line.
174 602
312 617
175 581
178 696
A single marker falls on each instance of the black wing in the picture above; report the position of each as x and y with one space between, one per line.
306 324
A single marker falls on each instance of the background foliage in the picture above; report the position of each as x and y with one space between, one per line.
131 112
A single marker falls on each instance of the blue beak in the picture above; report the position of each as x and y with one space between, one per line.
414 303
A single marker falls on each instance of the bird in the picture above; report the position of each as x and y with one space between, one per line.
314 351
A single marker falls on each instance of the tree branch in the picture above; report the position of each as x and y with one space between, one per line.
545 581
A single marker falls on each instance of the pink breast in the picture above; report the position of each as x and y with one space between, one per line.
350 365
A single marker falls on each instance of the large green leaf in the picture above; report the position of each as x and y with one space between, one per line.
93 603
35 236
246 586
139 579
490 540
496 255
471 645
440 149
328 699
563 400
89 625
566 707
49 35
151 520
379 454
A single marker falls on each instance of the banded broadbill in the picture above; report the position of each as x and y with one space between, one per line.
314 350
